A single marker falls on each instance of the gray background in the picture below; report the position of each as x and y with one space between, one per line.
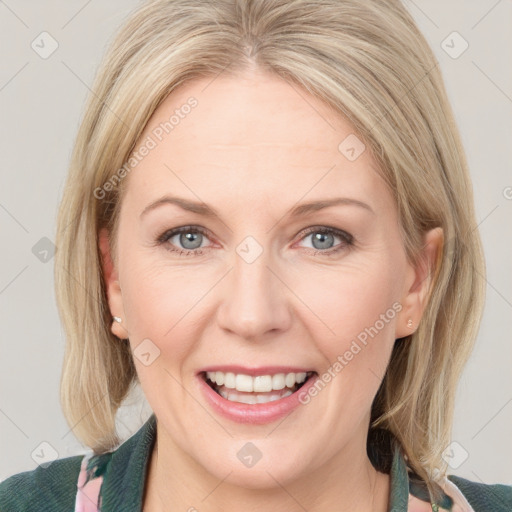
41 101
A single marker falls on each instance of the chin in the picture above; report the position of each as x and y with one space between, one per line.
271 475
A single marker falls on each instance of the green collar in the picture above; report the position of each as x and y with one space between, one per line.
399 482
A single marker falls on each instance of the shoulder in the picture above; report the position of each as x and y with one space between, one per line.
50 488
484 497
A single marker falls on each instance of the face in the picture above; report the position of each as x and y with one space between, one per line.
248 283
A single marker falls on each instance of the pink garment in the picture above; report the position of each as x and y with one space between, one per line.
88 498
460 504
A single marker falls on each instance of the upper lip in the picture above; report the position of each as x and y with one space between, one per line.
254 371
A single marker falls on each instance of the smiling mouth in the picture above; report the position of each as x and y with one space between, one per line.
255 390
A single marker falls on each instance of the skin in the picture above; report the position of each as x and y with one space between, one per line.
254 148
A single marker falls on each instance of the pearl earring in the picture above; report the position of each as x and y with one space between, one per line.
409 323
117 319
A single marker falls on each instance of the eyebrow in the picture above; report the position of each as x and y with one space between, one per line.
300 210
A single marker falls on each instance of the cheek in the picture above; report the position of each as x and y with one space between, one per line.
162 302
350 299
159 307
154 291
148 298
357 308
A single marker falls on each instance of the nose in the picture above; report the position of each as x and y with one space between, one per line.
254 299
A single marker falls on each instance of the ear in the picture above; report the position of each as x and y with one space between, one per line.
418 282
111 279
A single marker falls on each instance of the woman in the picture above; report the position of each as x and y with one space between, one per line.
268 223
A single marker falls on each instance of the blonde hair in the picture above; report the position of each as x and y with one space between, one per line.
366 59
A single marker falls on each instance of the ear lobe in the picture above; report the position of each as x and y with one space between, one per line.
111 279
422 277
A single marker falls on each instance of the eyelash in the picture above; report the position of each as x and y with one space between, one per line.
348 240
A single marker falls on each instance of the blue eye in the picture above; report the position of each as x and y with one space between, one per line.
323 238
189 240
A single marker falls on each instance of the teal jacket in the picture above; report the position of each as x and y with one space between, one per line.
54 488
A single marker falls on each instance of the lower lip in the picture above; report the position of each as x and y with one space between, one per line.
256 414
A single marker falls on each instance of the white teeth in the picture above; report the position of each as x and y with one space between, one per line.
243 383
301 377
278 381
262 383
259 384
229 380
244 398
290 380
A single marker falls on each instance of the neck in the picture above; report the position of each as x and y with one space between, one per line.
347 482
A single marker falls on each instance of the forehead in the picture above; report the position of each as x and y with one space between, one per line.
255 136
